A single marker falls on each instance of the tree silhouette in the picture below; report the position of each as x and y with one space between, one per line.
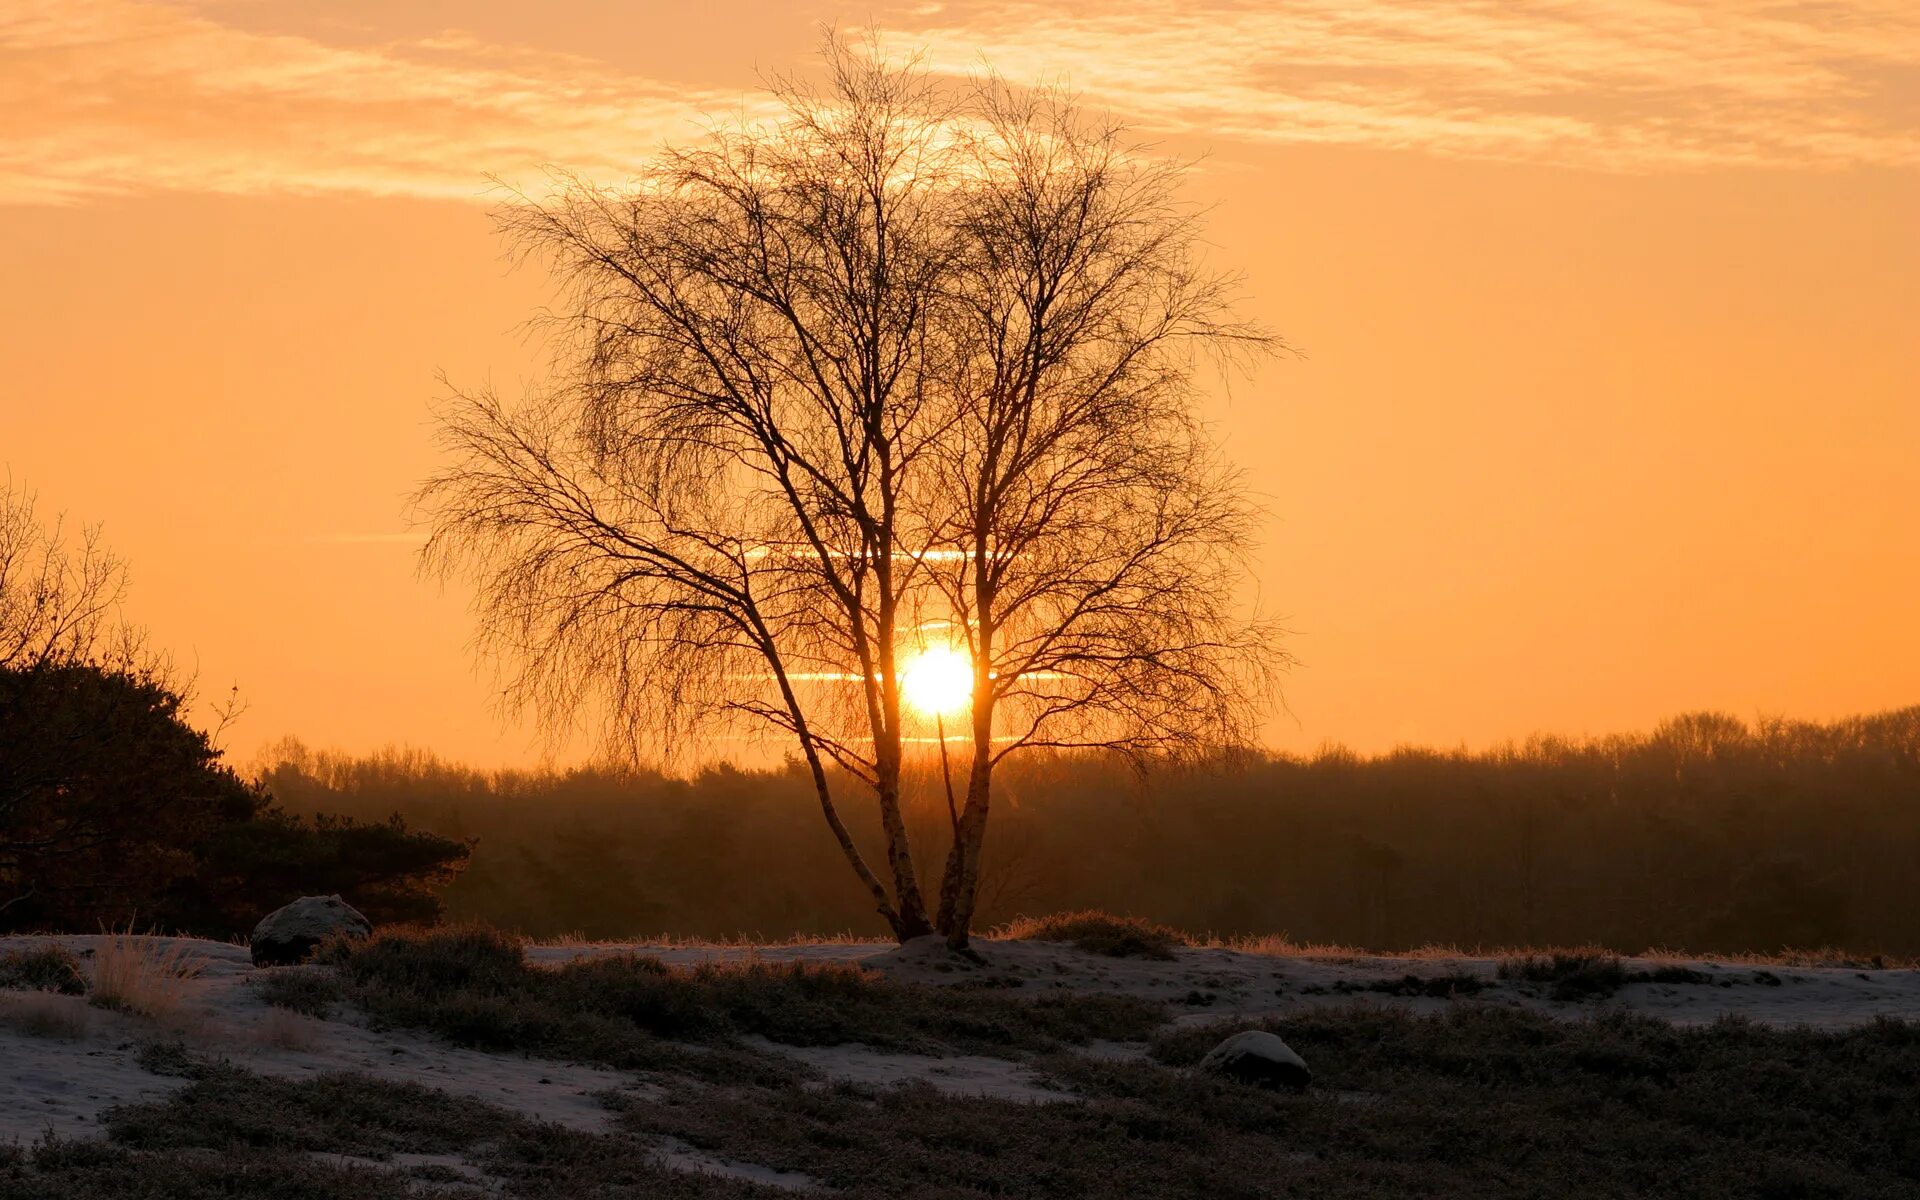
899 361
1094 538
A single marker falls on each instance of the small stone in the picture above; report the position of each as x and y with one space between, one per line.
1258 1058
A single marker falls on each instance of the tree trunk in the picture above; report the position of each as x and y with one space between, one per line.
883 714
960 888
912 921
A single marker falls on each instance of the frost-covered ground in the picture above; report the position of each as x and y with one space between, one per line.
53 1083
1206 984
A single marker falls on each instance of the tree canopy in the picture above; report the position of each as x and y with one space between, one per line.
911 369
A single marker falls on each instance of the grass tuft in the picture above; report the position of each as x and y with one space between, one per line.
142 975
286 1030
1098 932
44 1014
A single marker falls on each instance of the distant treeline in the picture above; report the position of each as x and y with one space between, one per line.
1708 834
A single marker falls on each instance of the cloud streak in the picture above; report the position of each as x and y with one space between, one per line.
1619 85
105 97
111 97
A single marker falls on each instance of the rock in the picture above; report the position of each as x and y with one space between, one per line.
1260 1059
287 935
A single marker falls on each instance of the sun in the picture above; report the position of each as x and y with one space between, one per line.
938 682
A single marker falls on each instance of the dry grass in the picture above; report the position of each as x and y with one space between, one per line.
46 1015
1824 956
1281 946
634 1012
142 975
281 1029
1480 1101
1098 932
676 941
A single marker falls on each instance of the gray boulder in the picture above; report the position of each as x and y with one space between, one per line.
287 935
1258 1058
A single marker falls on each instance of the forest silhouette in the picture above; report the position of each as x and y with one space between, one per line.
1707 834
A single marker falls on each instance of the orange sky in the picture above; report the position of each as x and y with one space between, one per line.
1610 409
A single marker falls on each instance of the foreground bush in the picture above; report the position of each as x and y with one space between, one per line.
1481 1101
1587 973
474 985
299 989
43 968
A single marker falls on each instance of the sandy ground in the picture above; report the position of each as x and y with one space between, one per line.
63 1084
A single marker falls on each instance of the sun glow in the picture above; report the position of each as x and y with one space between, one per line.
939 682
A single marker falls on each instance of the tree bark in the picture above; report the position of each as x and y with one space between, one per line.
912 908
960 886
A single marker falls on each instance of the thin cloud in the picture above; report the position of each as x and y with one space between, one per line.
107 97
112 97
1623 85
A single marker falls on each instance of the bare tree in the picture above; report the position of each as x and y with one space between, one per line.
699 523
891 363
60 592
1094 538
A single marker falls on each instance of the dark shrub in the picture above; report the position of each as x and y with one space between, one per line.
1454 983
111 804
302 990
47 968
1575 975
1100 933
473 985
